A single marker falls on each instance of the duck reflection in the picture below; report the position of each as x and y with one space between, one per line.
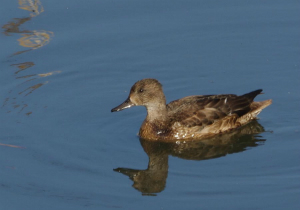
153 179
30 39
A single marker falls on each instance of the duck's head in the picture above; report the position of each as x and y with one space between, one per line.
146 92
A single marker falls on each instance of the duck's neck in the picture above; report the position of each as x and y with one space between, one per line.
157 113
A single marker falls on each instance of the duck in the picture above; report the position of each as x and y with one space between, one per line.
191 117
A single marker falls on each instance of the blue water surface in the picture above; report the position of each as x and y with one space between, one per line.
65 64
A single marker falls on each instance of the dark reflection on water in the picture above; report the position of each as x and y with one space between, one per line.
153 179
31 39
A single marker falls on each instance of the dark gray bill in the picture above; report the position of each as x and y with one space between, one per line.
126 104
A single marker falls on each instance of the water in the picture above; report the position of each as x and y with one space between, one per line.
66 64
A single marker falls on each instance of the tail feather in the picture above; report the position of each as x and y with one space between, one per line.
256 108
256 105
252 94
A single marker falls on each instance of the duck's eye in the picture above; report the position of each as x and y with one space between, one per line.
141 90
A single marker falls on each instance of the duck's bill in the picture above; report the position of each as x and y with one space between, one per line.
126 104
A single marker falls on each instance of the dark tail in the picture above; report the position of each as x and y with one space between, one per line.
252 94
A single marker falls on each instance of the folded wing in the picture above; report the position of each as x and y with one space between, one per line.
204 110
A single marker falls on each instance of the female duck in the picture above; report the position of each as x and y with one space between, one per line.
192 117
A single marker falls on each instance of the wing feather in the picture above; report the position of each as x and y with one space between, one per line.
204 110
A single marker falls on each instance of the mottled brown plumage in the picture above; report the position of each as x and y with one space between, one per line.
192 117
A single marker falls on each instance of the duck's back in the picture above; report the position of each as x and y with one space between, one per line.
198 112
